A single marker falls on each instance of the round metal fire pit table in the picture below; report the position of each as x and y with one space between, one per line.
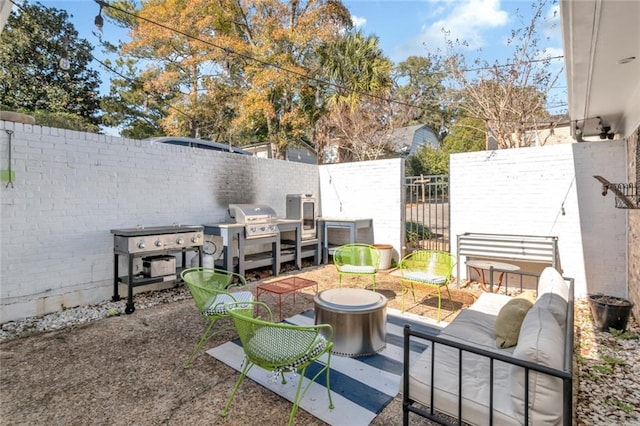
358 318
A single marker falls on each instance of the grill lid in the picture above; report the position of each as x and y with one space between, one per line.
251 213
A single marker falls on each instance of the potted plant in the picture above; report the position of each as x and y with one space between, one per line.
610 311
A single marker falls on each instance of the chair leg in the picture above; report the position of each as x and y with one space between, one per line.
405 289
374 282
243 374
205 337
453 307
299 395
296 400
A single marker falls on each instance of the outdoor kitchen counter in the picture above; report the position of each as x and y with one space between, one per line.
233 235
352 224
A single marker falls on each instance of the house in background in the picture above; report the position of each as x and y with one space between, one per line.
601 41
303 153
405 141
556 131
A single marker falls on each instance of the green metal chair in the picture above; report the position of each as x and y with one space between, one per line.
356 259
280 347
430 268
211 289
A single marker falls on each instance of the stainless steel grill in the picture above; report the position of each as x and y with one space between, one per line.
259 220
147 241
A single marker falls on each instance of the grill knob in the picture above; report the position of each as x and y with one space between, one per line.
194 239
141 245
179 241
158 243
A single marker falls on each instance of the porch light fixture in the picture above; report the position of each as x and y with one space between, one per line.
605 131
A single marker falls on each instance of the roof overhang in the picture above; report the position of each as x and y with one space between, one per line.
603 84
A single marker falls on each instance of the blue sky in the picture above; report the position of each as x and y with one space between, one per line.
405 28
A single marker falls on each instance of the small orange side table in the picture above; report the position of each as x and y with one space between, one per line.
284 287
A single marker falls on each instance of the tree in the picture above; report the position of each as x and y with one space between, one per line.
359 83
275 46
32 43
419 90
509 99
169 37
231 69
465 136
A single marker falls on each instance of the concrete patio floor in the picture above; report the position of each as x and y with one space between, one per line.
127 369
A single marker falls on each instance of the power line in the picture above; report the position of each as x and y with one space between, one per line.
317 80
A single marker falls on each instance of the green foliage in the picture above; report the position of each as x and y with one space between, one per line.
603 369
627 408
612 360
416 232
466 135
428 161
64 120
419 88
623 335
32 43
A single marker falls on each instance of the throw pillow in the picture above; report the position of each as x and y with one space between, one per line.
509 320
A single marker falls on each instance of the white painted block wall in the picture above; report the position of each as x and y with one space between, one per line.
548 191
368 189
72 188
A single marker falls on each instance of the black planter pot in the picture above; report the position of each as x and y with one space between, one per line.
610 312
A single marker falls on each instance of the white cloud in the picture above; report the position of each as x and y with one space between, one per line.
358 21
465 20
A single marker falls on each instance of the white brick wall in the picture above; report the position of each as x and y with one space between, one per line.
370 189
525 191
72 188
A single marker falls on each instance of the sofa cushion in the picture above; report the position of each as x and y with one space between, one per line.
553 294
541 341
509 320
475 325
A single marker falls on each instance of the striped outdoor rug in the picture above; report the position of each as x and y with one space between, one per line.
361 387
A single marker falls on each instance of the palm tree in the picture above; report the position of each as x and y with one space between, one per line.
358 78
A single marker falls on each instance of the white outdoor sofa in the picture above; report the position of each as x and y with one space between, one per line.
480 384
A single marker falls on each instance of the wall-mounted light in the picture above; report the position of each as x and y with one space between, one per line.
605 131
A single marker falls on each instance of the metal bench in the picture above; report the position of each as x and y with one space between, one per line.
523 248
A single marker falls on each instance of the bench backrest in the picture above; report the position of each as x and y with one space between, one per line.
527 248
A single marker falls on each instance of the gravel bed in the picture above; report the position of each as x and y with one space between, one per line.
606 364
84 314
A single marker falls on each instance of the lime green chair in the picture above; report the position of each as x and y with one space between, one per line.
280 347
356 259
431 268
211 289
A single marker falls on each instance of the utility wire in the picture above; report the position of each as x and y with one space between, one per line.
317 80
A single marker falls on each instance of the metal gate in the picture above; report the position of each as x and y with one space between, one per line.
426 220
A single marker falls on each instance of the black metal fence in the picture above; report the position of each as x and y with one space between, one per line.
427 212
